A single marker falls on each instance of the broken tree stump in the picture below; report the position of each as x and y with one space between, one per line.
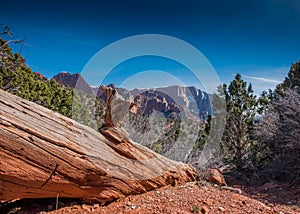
43 154
109 93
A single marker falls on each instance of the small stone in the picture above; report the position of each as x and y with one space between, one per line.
205 202
204 209
96 206
215 176
85 207
222 209
76 207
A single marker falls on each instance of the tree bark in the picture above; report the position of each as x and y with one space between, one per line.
43 154
109 93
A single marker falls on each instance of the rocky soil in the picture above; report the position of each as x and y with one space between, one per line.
193 197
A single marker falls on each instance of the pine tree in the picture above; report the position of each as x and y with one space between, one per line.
238 147
292 81
17 78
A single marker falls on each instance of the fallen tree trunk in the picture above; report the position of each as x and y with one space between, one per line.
44 154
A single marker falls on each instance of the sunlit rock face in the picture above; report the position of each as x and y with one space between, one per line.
74 81
171 100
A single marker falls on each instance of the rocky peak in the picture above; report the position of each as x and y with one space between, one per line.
170 99
39 76
153 100
74 81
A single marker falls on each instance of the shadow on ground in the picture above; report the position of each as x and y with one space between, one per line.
24 206
271 192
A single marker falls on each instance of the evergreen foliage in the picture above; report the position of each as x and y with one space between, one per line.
292 81
239 149
18 79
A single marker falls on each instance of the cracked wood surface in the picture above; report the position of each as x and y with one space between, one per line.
43 153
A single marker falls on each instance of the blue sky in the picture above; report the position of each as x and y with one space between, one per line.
259 39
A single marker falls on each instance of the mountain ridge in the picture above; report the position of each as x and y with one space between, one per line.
176 98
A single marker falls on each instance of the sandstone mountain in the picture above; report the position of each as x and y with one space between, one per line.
74 81
171 100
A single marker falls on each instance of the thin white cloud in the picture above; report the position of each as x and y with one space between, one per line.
262 79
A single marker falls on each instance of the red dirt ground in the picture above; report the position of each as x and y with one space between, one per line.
194 197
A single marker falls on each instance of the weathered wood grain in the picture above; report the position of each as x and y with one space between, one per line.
43 153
